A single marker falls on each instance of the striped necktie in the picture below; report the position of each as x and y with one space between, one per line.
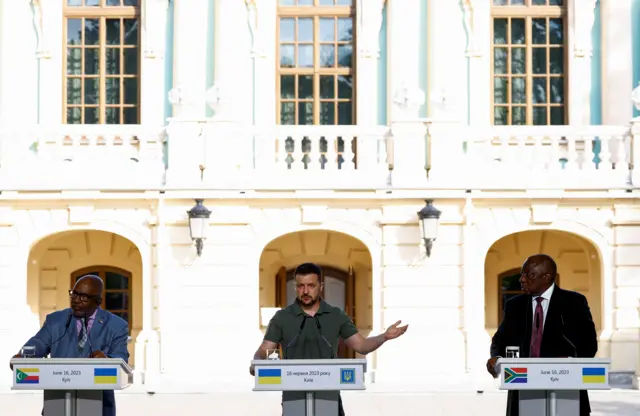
82 337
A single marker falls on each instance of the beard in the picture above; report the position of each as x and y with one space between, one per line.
307 301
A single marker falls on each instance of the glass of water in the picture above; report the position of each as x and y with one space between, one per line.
28 351
273 354
513 352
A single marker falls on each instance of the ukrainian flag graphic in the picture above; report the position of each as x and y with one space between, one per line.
105 376
593 375
269 376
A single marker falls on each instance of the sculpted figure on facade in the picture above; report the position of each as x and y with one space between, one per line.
370 22
469 26
583 19
38 22
252 21
153 21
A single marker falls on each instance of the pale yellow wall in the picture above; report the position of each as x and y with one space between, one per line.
54 259
326 248
578 266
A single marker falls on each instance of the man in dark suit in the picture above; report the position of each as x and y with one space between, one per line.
545 321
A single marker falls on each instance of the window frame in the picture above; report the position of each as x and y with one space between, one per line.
101 12
316 12
102 270
529 12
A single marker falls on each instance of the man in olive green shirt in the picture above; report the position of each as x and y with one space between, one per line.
309 328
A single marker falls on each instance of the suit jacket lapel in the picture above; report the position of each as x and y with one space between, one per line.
552 320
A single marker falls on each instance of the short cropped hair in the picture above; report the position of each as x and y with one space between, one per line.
309 268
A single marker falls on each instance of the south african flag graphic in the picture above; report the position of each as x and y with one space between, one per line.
27 375
515 375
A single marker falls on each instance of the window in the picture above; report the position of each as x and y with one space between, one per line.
117 284
528 54
315 63
509 286
102 66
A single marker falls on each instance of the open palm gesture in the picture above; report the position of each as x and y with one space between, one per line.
394 331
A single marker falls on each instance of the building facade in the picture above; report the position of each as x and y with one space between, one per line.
313 130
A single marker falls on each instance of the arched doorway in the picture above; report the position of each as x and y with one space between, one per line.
346 265
579 269
58 260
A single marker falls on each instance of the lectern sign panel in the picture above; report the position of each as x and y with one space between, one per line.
309 377
554 376
67 377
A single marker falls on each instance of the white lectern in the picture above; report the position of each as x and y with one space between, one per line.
72 386
309 387
551 386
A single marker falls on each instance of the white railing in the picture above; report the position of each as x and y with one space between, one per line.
111 156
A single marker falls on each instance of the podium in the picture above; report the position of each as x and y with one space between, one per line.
72 386
551 386
309 387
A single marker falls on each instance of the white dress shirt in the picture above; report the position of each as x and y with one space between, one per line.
546 298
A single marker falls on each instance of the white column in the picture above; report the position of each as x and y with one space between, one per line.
48 22
368 23
19 66
152 97
617 68
580 20
403 53
477 23
190 58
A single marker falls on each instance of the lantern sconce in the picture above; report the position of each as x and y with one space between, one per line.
198 224
429 218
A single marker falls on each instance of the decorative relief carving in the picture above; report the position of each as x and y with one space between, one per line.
370 22
409 98
584 14
257 48
153 21
470 27
42 50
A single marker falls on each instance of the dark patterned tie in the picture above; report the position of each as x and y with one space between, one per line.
536 330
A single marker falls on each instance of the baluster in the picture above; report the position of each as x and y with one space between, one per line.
331 155
347 153
314 155
605 153
554 161
521 158
621 161
572 155
503 153
588 154
280 140
297 154
539 161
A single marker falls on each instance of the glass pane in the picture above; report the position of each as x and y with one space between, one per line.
345 115
345 86
92 2
326 3
305 87
556 32
500 115
500 31
130 86
539 3
74 31
117 300
287 30
305 113
112 115
91 61
130 56
328 113
74 115
327 86
287 56
91 31
91 91
500 2
557 116
305 30
556 60
539 31
344 2
327 56
557 90
518 90
91 115
74 61
500 92
123 315
517 2
287 113
287 86
517 31
500 60
305 2
508 283
112 61
113 31
116 281
539 63
518 116
74 91
518 60
345 29
74 3
113 2
130 2
345 53
130 31
287 2
539 91
112 90
539 116
327 30
305 56
130 115
555 2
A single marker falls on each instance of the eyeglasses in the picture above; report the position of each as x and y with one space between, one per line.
82 296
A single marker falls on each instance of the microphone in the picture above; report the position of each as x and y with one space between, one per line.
323 337
86 328
304 321
571 344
